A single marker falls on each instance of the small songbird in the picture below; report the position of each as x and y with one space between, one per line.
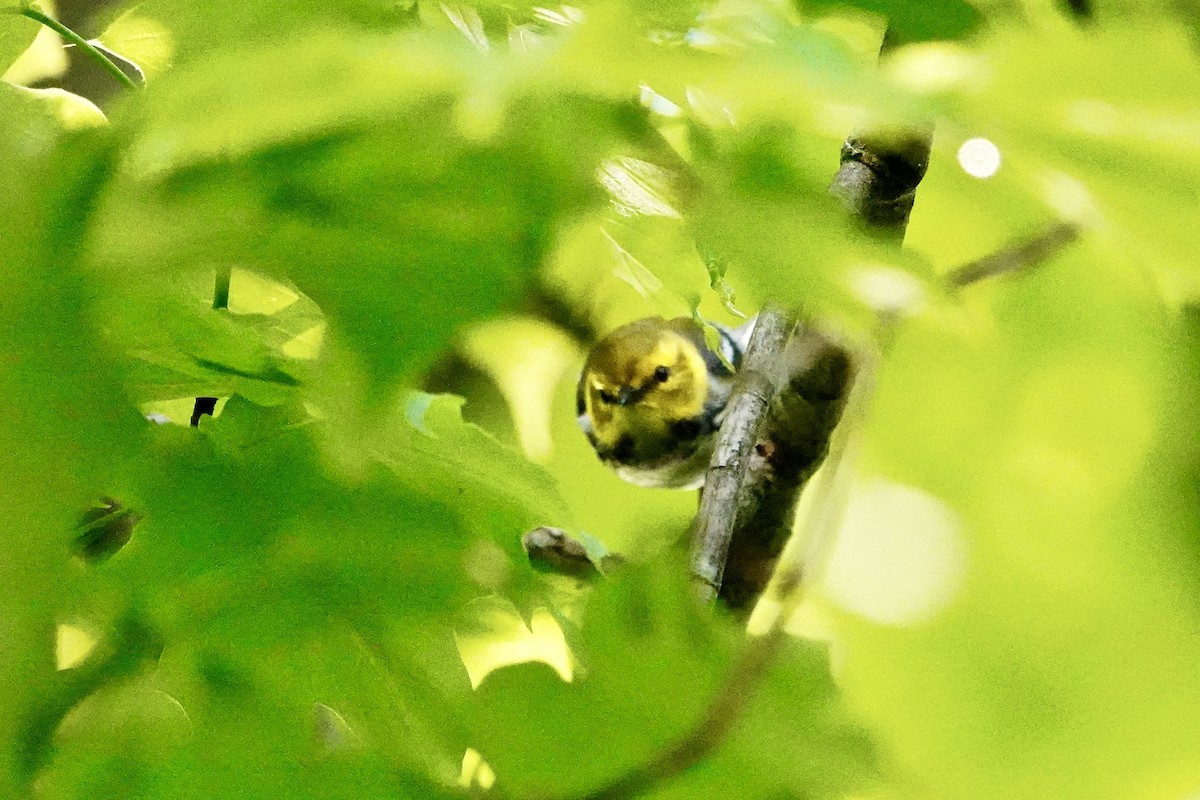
652 395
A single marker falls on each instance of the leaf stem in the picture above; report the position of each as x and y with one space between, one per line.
83 44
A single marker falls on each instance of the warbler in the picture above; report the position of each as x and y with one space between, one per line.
651 397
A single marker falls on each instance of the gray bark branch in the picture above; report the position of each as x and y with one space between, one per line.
724 498
878 178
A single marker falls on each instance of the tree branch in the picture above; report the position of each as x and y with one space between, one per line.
724 499
877 181
878 177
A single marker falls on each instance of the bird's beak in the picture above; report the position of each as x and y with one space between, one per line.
626 396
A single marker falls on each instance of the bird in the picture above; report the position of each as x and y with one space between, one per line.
651 397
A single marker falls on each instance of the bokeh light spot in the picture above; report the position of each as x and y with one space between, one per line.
900 555
979 157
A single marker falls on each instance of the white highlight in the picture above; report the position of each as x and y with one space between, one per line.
887 289
979 158
659 104
935 68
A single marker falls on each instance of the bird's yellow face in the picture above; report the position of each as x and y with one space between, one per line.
627 387
643 392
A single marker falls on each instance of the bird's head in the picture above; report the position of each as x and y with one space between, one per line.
642 378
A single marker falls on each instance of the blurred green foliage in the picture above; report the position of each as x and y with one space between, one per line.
416 196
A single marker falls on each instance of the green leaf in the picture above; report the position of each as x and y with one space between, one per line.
497 491
469 24
140 40
651 660
243 747
716 268
16 34
177 345
276 584
451 225
211 525
42 61
72 111
67 427
110 740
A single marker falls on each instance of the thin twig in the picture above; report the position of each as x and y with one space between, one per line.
1016 258
744 416
553 550
87 47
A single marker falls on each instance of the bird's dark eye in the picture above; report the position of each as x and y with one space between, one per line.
661 374
607 398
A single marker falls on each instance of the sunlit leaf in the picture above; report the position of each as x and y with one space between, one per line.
71 110
16 34
139 40
496 490
44 58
